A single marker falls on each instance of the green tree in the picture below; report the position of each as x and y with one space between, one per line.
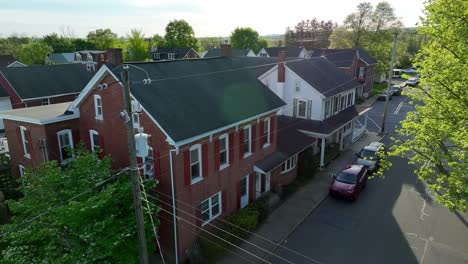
371 28
138 47
245 38
102 38
97 226
58 43
33 53
158 41
82 44
436 136
210 43
180 34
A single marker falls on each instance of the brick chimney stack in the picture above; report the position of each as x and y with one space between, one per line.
114 56
226 49
281 69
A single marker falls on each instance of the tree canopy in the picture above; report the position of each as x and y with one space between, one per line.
371 28
436 134
310 34
33 53
158 41
102 38
97 226
247 38
137 47
180 34
58 43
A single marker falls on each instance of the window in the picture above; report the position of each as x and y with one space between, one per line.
298 85
195 163
65 144
45 101
98 106
350 100
247 141
223 151
211 208
156 56
263 54
148 166
27 151
327 108
94 140
361 72
21 170
78 57
136 114
289 164
266 132
101 57
335 104
343 102
89 57
301 108
171 56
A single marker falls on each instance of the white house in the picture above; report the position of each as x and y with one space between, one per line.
291 52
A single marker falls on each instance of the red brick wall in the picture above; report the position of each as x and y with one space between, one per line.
278 179
14 97
52 139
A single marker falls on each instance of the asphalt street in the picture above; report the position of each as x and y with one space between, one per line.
395 220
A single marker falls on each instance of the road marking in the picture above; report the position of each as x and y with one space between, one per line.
425 249
398 108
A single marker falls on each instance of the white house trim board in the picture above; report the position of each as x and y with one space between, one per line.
193 51
49 96
17 62
40 122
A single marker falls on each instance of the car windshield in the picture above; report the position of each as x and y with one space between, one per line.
367 154
346 178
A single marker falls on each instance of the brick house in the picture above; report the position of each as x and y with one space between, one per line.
169 53
357 63
208 133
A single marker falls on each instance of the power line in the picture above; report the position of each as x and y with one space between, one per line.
227 232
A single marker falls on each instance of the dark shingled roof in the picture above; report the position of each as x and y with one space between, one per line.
325 127
186 102
178 52
6 60
234 52
43 81
290 51
323 75
290 142
343 57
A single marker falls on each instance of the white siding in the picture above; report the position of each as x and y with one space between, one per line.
304 54
5 104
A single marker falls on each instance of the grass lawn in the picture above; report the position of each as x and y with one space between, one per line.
379 87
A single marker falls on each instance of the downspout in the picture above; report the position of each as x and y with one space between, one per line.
174 211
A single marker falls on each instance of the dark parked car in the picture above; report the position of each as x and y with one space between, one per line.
383 96
413 82
349 182
368 156
396 90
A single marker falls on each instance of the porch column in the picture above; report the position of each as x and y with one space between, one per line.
341 139
322 154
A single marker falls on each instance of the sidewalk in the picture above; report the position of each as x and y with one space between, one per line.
366 104
292 212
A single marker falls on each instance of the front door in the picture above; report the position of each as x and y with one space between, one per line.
244 191
267 182
258 184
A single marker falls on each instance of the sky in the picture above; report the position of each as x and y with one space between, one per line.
214 18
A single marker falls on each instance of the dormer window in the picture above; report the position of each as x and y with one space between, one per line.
157 56
89 57
78 57
98 107
171 56
101 57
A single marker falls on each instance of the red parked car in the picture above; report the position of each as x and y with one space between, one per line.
349 182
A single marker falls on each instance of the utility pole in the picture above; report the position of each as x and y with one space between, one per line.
390 77
134 168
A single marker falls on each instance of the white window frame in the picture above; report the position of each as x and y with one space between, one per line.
97 107
298 85
78 57
226 164
248 153
101 56
21 170
70 136
289 164
298 107
171 56
210 206
342 102
361 73
198 148
147 159
326 113
266 132
136 113
46 100
89 57
26 149
91 139
157 56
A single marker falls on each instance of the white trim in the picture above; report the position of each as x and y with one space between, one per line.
293 164
268 143
98 107
247 191
91 139
22 64
269 72
21 170
246 154
226 137
197 147
220 204
27 154
49 96
70 136
233 125
193 51
40 122
305 109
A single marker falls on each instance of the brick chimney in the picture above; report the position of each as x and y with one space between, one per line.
114 56
226 49
281 69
